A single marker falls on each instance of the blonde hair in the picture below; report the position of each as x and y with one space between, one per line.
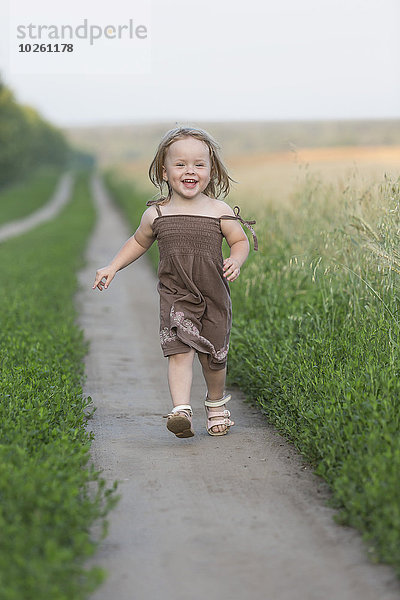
219 178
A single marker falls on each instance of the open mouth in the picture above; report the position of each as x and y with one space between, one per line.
190 183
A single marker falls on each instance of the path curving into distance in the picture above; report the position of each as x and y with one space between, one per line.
217 518
47 212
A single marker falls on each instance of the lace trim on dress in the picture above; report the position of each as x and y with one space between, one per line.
187 326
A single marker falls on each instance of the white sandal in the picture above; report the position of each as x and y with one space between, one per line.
179 421
218 417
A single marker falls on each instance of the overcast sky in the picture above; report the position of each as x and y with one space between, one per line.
211 60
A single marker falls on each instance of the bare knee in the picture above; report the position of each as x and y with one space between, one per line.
182 357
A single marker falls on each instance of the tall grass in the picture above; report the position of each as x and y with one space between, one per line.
315 342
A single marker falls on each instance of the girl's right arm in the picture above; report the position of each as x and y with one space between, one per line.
133 248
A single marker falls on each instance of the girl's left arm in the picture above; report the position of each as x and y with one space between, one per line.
239 245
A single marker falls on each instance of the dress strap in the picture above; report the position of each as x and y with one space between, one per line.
151 203
248 224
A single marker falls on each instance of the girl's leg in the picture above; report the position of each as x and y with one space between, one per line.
215 381
180 375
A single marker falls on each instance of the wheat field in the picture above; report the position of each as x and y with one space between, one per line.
266 179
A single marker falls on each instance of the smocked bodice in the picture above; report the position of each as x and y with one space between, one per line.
188 234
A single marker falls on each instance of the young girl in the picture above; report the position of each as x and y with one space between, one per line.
195 305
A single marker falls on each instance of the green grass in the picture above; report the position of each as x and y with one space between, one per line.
50 495
21 199
315 342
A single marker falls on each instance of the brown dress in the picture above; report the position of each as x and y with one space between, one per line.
195 302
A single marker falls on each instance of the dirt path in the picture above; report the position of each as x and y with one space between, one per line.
219 518
59 198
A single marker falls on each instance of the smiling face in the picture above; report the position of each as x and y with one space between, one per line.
187 167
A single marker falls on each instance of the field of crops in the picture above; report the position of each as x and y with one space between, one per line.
50 495
316 333
272 178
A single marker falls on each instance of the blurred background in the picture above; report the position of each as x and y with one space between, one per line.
284 87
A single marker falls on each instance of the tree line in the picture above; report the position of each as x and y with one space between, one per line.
28 141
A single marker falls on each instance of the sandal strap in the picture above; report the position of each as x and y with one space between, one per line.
223 400
219 413
218 418
180 408
211 424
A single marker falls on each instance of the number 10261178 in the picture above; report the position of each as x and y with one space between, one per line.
45 48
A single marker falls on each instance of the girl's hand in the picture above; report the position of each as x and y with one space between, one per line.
231 269
104 277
